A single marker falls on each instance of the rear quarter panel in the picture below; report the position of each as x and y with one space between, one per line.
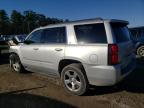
88 54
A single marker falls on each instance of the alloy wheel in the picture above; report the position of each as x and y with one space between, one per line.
72 80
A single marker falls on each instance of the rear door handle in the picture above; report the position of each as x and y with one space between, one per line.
35 48
58 49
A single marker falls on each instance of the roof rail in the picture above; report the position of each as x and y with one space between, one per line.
75 21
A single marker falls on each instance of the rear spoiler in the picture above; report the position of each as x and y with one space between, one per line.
115 21
119 21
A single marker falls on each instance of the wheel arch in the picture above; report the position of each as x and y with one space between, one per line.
15 54
139 44
65 62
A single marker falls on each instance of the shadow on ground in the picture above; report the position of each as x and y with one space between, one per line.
21 99
133 83
25 100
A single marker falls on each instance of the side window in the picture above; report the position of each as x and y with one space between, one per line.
54 35
91 33
35 37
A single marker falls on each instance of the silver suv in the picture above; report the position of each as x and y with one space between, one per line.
93 51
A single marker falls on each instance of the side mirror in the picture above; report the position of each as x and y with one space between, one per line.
28 42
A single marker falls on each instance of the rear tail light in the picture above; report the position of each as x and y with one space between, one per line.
112 54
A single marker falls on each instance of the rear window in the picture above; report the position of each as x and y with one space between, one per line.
121 32
91 33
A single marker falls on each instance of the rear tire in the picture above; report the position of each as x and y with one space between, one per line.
15 64
140 51
74 79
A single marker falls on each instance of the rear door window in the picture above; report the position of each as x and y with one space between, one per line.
121 32
91 33
54 35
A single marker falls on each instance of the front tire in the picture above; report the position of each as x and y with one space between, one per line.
74 79
140 51
15 64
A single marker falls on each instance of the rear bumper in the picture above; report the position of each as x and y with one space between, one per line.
107 75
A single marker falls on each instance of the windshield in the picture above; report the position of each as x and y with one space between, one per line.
121 32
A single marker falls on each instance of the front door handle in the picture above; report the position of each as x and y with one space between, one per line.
58 49
35 48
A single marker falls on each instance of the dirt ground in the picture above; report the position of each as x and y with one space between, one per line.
31 90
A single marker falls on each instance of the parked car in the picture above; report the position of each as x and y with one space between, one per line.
6 40
3 44
93 51
137 35
20 38
15 40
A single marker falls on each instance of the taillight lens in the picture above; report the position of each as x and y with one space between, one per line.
112 54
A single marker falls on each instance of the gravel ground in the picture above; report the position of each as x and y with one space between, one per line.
31 90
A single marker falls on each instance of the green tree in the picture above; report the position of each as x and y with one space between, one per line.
17 22
24 23
4 23
30 20
34 20
41 20
53 20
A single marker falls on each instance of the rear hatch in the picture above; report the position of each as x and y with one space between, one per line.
125 45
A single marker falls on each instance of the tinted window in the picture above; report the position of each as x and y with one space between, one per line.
35 37
91 33
121 32
137 34
54 35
